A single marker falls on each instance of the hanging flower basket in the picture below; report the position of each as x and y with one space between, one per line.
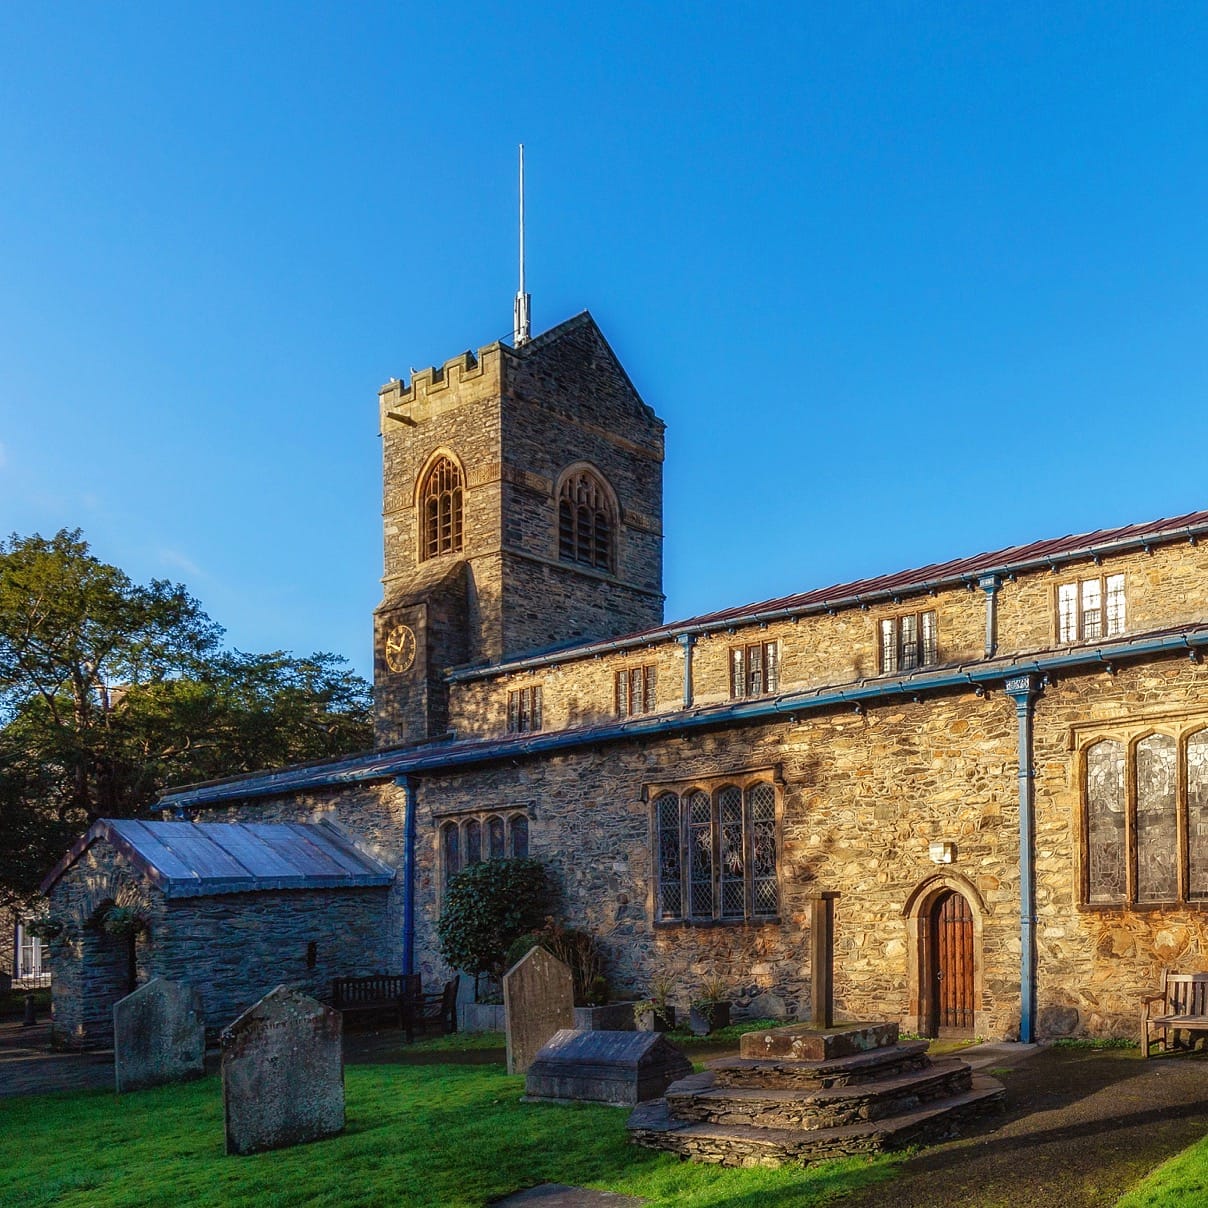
120 921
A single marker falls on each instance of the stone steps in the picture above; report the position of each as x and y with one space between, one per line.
802 1094
654 1126
698 1099
837 1071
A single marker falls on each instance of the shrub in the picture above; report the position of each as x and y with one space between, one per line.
577 950
487 907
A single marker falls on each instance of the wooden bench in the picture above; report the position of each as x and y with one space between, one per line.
377 993
1184 1008
438 1008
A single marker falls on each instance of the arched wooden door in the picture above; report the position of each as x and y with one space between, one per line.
950 953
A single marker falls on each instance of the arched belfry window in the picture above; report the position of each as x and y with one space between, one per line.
586 521
440 509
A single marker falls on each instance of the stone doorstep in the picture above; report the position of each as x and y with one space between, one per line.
824 1108
838 1071
652 1125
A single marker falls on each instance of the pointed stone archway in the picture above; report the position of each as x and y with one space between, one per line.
944 916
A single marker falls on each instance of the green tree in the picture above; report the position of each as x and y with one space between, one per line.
111 690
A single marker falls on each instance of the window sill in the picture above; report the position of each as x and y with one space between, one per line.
1196 904
706 924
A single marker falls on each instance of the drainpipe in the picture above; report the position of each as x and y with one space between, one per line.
1023 690
404 783
687 641
990 585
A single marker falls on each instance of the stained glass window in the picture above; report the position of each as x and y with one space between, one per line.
1157 826
495 837
1197 814
1105 822
518 835
670 866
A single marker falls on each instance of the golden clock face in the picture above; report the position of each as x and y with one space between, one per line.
400 648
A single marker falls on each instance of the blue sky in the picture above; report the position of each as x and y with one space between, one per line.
906 282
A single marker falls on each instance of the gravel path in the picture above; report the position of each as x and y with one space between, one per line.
1080 1129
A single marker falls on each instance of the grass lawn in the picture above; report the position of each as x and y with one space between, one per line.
430 1134
1179 1183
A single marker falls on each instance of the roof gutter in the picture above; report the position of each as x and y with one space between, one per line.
969 579
435 759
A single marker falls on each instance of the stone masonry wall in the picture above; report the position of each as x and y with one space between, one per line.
861 798
1095 963
237 947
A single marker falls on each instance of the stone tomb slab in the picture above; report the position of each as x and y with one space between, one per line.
622 1068
282 1073
804 1042
538 999
158 1036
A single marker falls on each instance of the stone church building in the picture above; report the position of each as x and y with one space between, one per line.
999 762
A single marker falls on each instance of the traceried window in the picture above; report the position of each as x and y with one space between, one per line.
524 710
716 854
754 669
635 690
440 509
1090 609
1133 851
908 642
485 836
586 523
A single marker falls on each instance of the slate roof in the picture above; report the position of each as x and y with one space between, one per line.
200 859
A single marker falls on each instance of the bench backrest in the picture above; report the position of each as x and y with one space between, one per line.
380 987
1186 993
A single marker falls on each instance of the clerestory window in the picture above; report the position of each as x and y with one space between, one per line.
908 642
524 710
754 669
586 522
635 690
1090 608
440 509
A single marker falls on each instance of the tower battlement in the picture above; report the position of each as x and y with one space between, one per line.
440 382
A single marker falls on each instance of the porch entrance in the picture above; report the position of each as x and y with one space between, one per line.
950 964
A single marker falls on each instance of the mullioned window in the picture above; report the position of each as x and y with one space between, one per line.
1137 800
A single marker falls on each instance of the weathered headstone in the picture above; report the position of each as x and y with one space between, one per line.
538 999
625 1068
158 1035
282 1073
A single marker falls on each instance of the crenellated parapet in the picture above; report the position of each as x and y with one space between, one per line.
463 379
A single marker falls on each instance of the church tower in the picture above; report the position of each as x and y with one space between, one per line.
522 510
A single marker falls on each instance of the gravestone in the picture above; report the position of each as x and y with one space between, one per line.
538 999
624 1068
158 1035
282 1073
